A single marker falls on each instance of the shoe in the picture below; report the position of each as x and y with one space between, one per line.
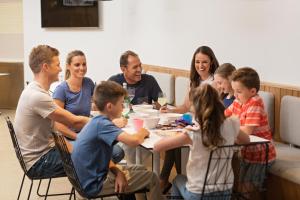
167 188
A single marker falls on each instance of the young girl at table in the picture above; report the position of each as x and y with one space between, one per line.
214 130
75 95
203 65
249 107
222 80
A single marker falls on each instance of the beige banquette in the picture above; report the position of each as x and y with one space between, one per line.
282 104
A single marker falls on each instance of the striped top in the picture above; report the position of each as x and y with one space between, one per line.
253 113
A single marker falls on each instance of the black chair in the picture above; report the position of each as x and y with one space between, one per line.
72 175
22 163
224 175
225 179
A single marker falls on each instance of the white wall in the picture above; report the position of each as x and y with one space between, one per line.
263 34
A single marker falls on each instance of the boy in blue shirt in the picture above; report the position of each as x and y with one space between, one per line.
92 150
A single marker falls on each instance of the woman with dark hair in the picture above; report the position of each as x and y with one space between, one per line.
203 66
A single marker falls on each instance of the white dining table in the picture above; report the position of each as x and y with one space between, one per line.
153 138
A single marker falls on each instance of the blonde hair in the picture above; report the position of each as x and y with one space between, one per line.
69 60
209 113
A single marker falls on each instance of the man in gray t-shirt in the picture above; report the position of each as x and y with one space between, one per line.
36 112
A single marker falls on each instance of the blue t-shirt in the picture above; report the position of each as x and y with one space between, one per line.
78 103
92 152
228 102
146 90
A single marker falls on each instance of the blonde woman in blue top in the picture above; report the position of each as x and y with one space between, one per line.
75 95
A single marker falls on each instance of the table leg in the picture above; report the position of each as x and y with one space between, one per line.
138 156
156 163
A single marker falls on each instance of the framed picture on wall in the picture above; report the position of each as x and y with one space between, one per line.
69 13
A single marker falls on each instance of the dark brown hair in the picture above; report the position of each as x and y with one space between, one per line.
40 55
69 60
124 58
195 78
209 113
107 92
248 77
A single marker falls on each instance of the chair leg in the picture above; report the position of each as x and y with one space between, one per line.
145 195
21 187
72 193
38 189
46 195
30 190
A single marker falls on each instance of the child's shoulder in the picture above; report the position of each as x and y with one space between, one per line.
256 100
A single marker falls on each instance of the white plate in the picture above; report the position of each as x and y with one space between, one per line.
169 117
142 106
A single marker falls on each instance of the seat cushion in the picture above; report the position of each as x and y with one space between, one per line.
287 164
166 83
181 89
269 103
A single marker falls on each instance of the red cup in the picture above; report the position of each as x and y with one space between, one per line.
138 124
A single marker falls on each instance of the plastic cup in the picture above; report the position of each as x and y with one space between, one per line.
138 124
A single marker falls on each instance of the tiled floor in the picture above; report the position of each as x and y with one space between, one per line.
11 172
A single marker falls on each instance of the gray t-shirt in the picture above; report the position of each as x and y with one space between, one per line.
33 128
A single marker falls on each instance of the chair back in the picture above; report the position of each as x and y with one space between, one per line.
226 178
219 175
67 162
15 143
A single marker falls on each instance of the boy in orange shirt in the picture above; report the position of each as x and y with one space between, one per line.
249 107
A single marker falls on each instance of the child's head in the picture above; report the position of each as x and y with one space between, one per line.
245 83
223 76
209 113
109 97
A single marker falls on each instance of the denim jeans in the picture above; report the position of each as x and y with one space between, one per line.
49 165
179 191
117 154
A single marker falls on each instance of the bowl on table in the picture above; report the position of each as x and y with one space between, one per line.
151 122
141 107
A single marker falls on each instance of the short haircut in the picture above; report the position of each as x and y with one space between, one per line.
107 92
124 58
248 77
40 55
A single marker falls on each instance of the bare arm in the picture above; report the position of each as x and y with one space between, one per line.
66 131
242 138
185 107
121 182
172 142
247 129
65 117
133 139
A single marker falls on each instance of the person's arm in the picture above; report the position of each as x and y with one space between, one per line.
66 131
185 107
65 117
133 139
120 122
121 182
242 138
172 142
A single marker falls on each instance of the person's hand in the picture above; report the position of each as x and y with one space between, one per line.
164 109
121 183
120 122
145 132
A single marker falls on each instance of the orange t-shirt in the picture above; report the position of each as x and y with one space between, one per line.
252 113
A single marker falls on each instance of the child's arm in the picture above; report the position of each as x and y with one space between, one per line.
120 122
172 142
121 182
242 138
133 139
247 129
